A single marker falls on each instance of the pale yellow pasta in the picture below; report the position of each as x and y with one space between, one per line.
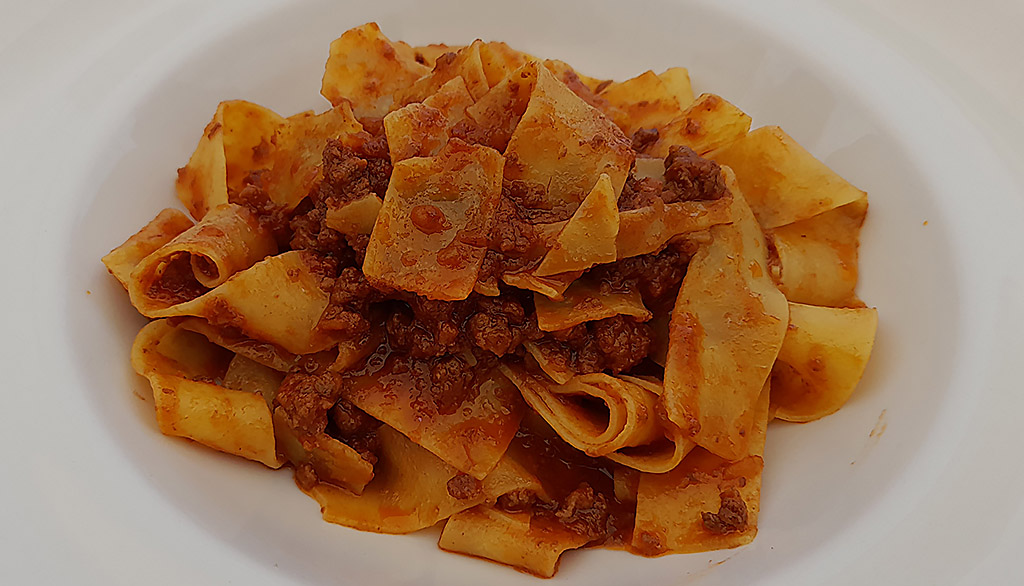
781 180
239 139
707 502
708 123
438 210
727 327
821 360
558 121
178 366
677 81
365 69
630 419
508 538
465 63
584 301
816 259
588 238
166 226
355 217
422 129
287 319
645 100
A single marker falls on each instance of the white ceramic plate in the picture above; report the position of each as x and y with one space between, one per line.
917 480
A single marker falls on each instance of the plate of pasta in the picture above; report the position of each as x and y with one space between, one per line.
347 292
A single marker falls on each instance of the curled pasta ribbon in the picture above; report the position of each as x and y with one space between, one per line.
167 225
228 239
661 455
288 320
627 419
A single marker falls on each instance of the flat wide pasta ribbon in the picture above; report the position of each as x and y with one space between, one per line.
422 129
298 159
708 123
821 361
584 301
431 233
412 489
815 260
239 139
469 427
726 331
644 101
564 144
588 238
705 503
509 538
783 183
642 230
365 69
186 374
662 454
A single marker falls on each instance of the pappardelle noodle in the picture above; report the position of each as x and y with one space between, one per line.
486 291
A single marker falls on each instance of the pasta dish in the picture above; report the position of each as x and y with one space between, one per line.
484 291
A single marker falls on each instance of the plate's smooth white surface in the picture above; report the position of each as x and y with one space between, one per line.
916 480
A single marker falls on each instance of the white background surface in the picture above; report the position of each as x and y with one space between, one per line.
95 110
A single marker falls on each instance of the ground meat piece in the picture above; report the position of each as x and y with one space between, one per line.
356 428
657 276
499 325
349 173
408 336
623 341
511 232
617 343
532 203
584 511
271 216
309 232
573 348
463 486
690 177
588 357
378 164
306 398
492 333
439 317
349 305
516 501
639 193
305 476
358 244
644 138
350 420
491 269
576 332
344 174
731 515
451 384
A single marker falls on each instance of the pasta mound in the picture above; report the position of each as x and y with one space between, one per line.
485 290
